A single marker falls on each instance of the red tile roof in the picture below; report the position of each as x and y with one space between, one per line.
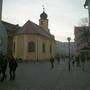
31 28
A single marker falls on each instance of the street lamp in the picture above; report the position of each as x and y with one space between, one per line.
69 38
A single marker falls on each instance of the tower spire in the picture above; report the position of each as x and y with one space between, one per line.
43 8
43 21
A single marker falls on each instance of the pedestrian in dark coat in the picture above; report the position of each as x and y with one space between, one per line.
52 62
3 67
0 63
83 62
58 59
77 59
12 67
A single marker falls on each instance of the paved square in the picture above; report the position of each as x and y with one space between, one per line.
40 76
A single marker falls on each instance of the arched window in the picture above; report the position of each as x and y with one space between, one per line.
31 47
43 48
1 41
50 48
14 47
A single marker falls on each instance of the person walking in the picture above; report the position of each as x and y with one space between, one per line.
12 67
58 59
83 62
0 64
3 67
52 62
77 59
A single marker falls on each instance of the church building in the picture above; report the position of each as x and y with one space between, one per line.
34 42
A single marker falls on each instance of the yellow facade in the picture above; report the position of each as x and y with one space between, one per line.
35 42
21 47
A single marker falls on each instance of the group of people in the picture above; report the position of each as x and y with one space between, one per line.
78 61
7 61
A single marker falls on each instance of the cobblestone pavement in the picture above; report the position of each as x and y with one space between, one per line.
40 76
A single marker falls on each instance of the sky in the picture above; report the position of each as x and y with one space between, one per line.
63 15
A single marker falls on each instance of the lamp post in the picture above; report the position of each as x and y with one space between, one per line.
69 38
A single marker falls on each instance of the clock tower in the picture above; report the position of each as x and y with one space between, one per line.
43 21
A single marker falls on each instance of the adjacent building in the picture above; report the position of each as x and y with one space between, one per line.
7 32
82 41
82 36
3 34
62 49
11 30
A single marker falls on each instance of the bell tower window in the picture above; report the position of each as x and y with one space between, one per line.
42 22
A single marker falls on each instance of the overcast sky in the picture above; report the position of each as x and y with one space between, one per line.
63 15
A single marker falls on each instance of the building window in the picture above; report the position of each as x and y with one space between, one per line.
50 48
1 41
13 47
31 47
43 48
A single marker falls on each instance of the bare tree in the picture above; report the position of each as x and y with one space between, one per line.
85 36
84 21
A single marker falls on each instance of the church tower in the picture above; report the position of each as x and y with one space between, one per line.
1 9
43 21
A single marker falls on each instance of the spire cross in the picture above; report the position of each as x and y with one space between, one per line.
43 8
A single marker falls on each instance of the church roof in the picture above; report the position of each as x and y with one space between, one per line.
31 28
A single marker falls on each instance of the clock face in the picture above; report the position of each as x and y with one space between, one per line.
41 22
